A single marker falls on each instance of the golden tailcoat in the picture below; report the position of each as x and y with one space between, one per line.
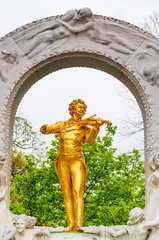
70 142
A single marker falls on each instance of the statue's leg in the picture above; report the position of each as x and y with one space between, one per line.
78 182
65 180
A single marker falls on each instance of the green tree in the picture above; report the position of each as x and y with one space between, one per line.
27 140
26 143
114 185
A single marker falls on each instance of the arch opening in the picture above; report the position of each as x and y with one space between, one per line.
41 70
54 80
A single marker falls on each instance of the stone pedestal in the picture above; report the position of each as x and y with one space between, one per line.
74 236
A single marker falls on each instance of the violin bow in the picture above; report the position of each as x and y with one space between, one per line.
75 124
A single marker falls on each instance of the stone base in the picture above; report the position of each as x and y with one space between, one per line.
84 236
75 236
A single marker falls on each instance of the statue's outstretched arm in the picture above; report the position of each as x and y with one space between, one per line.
151 224
116 232
48 129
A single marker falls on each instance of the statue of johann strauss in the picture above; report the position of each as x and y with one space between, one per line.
70 164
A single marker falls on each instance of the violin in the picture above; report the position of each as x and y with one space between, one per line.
91 121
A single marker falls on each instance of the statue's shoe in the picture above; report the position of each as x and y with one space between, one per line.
80 229
71 229
74 229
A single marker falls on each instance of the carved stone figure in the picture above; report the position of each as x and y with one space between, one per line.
56 31
7 60
25 229
147 64
70 165
73 22
152 204
151 73
100 231
136 228
6 215
92 31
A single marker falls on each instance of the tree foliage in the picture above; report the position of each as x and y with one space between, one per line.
26 139
115 184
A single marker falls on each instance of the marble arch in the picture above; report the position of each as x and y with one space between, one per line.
116 47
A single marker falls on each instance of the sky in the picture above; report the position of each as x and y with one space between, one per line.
47 101
20 12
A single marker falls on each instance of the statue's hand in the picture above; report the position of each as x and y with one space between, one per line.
99 122
43 128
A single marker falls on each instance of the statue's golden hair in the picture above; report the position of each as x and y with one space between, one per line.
73 104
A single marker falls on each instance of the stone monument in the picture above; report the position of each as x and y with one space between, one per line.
81 39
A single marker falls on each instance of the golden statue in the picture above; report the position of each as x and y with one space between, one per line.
70 164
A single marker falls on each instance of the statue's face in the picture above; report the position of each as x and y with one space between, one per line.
83 13
20 225
76 17
79 110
